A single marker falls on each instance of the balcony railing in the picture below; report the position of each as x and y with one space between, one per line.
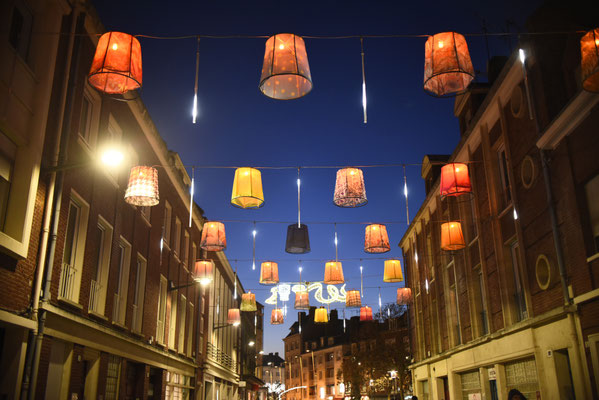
67 282
94 296
220 357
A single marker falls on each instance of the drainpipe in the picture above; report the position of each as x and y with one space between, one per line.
57 179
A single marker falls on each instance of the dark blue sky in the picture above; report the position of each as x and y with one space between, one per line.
238 126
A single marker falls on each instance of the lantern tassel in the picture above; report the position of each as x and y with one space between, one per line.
191 190
363 81
405 193
195 89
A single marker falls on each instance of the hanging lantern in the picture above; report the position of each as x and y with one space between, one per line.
142 189
247 188
203 271
116 67
302 301
349 188
298 241
447 66
404 296
455 180
589 60
285 71
213 236
376 239
269 273
365 313
321 316
248 302
276 316
392 271
234 317
451 236
352 298
333 273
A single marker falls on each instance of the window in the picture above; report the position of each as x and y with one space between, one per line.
177 238
190 320
120 296
480 300
161 318
454 312
172 325
504 176
146 213
19 34
519 300
470 383
113 136
112 377
522 375
182 316
138 296
85 118
97 292
185 250
8 151
166 225
591 190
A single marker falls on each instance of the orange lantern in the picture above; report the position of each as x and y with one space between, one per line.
455 180
365 313
234 317
116 67
451 236
247 188
248 302
376 239
589 61
213 236
285 71
302 301
142 189
333 273
352 298
203 271
392 271
276 317
269 273
404 296
448 69
321 316
349 188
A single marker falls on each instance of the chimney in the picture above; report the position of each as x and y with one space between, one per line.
276 353
334 315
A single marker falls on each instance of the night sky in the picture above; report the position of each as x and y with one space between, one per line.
239 126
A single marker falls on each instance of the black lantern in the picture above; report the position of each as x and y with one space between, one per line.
298 241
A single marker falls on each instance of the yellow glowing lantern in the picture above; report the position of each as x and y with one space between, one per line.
451 236
142 189
285 70
392 271
349 188
276 316
269 273
234 317
353 299
247 188
589 61
448 68
333 273
213 236
376 239
404 296
203 271
302 301
248 302
321 316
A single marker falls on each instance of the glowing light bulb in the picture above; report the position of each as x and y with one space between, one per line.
416 257
522 55
115 46
254 233
281 47
351 172
246 173
440 44
515 214
300 269
212 225
253 266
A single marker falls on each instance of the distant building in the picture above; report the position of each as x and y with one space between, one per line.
273 370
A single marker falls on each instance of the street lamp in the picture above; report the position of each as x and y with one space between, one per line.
109 155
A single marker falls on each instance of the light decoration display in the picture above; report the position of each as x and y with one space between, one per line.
335 295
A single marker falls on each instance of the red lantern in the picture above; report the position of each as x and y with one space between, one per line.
366 313
589 60
203 271
447 66
213 236
302 301
349 188
376 239
455 180
276 316
116 68
142 189
451 236
404 296
234 317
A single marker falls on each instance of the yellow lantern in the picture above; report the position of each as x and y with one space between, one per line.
142 189
248 302
213 236
376 239
247 188
353 299
451 236
392 271
269 273
333 273
349 188
203 271
276 317
302 301
234 317
321 316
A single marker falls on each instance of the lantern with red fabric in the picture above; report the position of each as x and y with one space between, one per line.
448 68
455 180
376 239
276 316
366 313
404 296
213 236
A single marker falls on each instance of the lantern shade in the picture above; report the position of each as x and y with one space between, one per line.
352 298
116 67
349 188
302 301
247 188
213 236
298 241
376 239
248 302
142 189
203 271
589 60
365 313
455 180
321 316
451 236
333 273
392 271
276 316
269 273
234 317
404 296
285 71
448 69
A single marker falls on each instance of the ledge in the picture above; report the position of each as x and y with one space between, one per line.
97 315
69 302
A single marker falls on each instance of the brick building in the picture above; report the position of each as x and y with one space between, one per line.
273 370
518 307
